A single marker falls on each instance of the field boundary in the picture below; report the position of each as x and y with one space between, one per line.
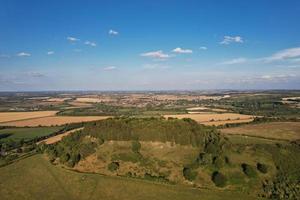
253 136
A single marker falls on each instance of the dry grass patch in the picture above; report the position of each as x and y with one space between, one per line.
94 99
57 99
273 130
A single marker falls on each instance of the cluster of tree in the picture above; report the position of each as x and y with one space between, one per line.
111 110
11 149
212 155
183 132
259 120
286 183
261 105
72 148
282 188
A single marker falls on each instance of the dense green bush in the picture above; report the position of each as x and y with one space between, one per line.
52 154
113 166
262 168
64 157
219 179
204 159
11 157
87 149
248 170
227 160
135 146
218 162
75 157
100 141
189 174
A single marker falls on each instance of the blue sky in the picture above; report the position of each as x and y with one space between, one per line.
149 45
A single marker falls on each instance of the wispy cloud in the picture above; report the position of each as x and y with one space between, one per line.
155 66
92 44
109 68
156 54
23 54
284 55
180 50
231 39
234 61
50 52
77 50
36 74
203 48
277 78
73 39
113 32
267 78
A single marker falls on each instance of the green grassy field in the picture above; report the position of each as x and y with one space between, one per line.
272 130
36 178
27 133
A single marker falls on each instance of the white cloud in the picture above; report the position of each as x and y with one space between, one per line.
109 68
234 61
156 54
72 39
92 44
50 52
284 54
23 54
113 32
203 48
232 39
180 50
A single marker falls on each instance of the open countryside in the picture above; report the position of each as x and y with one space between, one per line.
52 121
215 118
15 116
149 100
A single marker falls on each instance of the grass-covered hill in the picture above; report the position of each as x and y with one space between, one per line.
35 178
180 152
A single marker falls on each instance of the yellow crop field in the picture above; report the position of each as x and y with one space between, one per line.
53 120
15 116
217 123
214 118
